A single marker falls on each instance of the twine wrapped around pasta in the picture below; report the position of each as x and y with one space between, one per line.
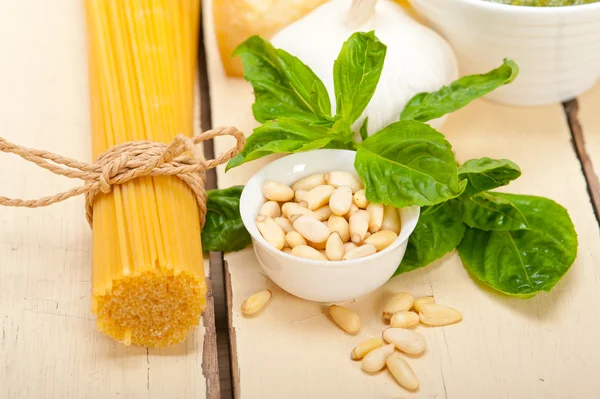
125 162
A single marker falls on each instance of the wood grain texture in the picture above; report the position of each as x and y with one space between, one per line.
586 133
235 368
49 346
545 347
587 166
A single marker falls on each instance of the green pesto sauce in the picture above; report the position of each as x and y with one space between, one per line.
544 3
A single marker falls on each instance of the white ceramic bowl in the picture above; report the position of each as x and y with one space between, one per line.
319 281
557 48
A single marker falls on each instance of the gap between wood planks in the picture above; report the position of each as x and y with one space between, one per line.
218 330
571 109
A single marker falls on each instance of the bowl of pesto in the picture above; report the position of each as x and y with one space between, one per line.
556 43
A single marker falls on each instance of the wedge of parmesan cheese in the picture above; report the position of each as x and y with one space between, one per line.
236 20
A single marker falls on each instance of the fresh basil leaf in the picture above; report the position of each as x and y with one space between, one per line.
439 230
427 106
356 72
523 262
486 174
408 163
364 129
283 85
224 230
490 211
286 135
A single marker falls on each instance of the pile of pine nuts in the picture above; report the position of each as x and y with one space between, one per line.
326 217
403 312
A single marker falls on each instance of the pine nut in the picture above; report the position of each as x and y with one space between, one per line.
375 217
349 246
345 318
391 220
306 252
375 360
359 224
291 208
309 182
382 239
275 191
402 372
256 302
311 229
271 231
360 252
438 315
339 225
303 204
404 319
360 199
407 341
365 347
342 178
341 200
317 245
334 248
323 213
285 224
420 302
293 239
397 303
287 250
353 208
300 195
270 209
319 196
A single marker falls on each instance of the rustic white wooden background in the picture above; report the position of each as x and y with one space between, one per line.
546 347
49 346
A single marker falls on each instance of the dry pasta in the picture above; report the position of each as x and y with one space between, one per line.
148 280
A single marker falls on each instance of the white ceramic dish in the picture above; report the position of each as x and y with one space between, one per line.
319 281
557 48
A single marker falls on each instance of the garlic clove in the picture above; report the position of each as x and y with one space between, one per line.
424 63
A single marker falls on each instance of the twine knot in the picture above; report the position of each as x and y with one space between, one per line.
126 162
109 171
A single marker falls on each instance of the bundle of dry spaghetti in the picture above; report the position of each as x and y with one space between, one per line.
148 278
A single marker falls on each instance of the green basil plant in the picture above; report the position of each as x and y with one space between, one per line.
517 244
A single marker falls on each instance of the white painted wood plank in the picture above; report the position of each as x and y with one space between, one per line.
544 347
49 346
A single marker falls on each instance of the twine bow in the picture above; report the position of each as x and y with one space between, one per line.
125 162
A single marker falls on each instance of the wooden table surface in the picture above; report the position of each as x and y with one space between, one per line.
49 345
546 347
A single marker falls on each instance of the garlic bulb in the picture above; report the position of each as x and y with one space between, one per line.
417 59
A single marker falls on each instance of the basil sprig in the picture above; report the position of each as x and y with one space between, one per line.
224 230
439 230
523 262
283 85
427 106
356 73
487 174
519 245
293 103
408 163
